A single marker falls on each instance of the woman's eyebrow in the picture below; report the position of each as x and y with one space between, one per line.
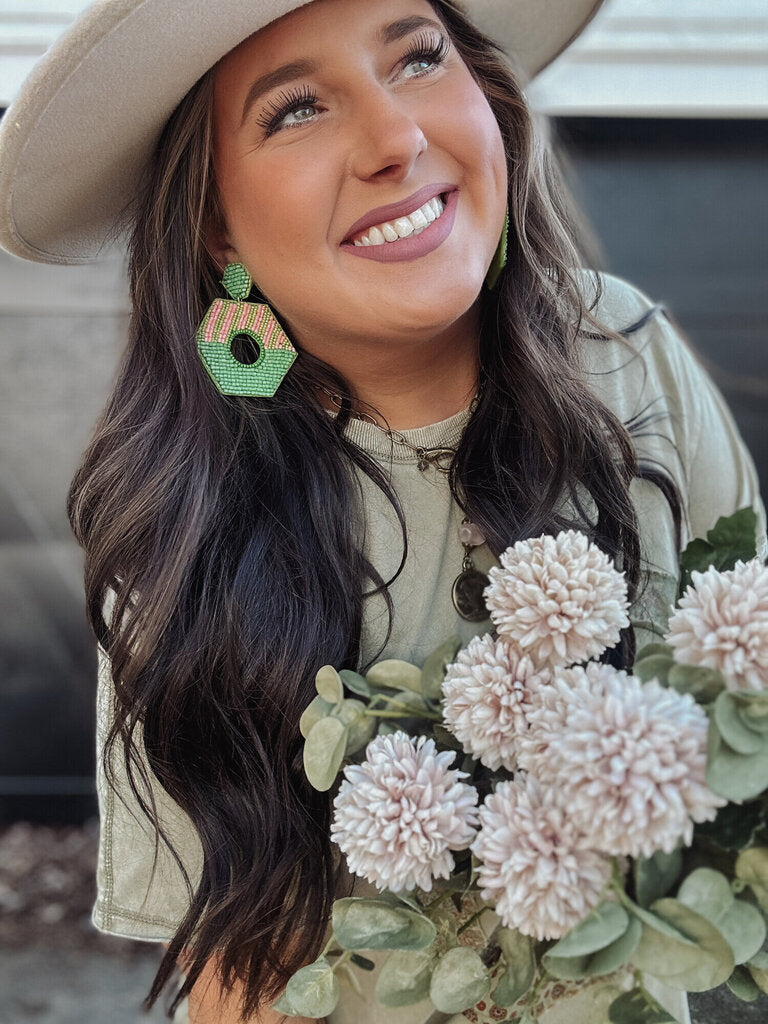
300 68
404 26
280 76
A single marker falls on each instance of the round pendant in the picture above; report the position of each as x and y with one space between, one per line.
467 595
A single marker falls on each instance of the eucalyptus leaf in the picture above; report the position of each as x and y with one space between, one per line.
638 1007
603 961
759 960
414 702
374 924
733 728
405 978
395 675
753 708
735 825
459 980
328 684
324 752
654 666
760 977
599 929
704 962
743 985
355 682
520 967
312 714
655 875
434 668
517 950
752 868
709 893
650 650
732 775
314 990
704 684
285 1006
361 728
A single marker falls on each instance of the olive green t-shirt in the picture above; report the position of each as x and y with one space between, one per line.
141 892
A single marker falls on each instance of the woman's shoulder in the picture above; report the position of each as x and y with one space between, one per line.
614 302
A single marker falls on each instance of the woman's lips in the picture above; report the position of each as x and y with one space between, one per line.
414 246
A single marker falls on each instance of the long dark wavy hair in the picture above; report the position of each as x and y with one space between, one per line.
223 533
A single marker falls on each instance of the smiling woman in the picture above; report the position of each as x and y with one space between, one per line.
361 348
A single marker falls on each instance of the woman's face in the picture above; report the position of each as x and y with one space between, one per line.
332 127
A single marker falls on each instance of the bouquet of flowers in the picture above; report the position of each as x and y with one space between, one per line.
533 818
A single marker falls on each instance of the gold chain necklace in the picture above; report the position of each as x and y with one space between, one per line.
440 457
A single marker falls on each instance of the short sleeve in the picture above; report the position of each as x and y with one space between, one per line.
141 890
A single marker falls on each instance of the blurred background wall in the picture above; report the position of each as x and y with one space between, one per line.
662 112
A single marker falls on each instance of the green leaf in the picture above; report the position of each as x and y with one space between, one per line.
284 1005
603 961
732 538
703 960
704 684
356 683
655 875
638 1007
742 926
328 684
752 868
314 990
520 969
599 929
374 924
753 708
443 738
459 980
743 985
434 668
651 650
395 675
732 775
654 666
735 825
312 714
736 732
360 727
414 702
760 977
405 978
324 752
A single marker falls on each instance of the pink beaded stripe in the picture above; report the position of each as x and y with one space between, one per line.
226 317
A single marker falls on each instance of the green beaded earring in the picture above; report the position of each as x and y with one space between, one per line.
499 260
254 322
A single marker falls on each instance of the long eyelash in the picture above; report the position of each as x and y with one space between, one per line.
284 104
427 47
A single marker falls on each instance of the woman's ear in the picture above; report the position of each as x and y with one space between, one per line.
218 245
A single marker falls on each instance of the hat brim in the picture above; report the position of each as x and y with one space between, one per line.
74 143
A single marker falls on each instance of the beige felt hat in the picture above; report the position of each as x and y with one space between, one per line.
75 141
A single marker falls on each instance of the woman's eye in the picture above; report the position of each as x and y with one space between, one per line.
288 110
418 67
298 116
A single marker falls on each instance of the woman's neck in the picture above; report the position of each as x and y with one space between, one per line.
406 385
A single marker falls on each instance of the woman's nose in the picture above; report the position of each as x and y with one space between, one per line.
388 139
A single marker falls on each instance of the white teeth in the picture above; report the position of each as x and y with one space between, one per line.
404 227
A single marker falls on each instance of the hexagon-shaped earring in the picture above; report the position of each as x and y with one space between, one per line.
261 336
